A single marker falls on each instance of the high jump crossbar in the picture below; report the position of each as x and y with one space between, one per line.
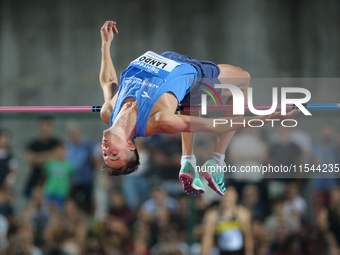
211 108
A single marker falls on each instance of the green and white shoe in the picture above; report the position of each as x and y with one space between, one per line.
190 178
215 178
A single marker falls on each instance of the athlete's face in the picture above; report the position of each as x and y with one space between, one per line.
230 198
116 150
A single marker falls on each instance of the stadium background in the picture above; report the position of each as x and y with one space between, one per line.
50 55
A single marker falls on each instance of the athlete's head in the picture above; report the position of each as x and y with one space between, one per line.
230 197
120 154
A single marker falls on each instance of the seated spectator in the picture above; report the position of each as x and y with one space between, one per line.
169 244
58 174
329 221
119 209
68 230
152 209
295 205
159 211
8 164
251 200
279 226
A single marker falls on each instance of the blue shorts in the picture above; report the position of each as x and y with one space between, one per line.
205 69
207 73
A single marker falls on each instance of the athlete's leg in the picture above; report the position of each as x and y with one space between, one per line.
188 174
241 79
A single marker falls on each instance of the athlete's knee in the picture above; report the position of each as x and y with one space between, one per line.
246 79
229 71
246 74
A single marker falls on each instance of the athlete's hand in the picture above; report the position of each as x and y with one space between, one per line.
279 116
107 31
289 115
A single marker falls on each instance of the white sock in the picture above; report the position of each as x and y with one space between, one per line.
219 158
190 158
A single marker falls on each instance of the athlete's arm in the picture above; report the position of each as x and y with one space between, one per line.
171 124
108 77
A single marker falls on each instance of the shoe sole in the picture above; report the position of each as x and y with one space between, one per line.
211 182
188 185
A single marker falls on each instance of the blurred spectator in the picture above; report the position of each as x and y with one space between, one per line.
21 243
135 186
39 215
6 208
337 147
284 152
168 158
139 247
102 185
189 218
279 226
260 238
295 205
115 235
119 209
324 155
141 235
67 231
3 234
58 174
292 246
252 201
8 164
231 223
329 221
159 211
169 244
80 151
159 202
93 245
299 137
39 151
247 149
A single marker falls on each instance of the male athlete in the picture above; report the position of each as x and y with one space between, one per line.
150 90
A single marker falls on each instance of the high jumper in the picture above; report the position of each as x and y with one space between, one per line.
150 90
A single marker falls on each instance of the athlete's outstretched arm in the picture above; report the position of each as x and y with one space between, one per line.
183 123
108 77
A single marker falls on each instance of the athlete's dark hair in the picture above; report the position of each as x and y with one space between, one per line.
129 168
